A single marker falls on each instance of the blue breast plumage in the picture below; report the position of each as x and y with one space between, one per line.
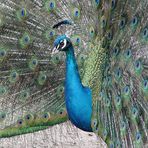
78 97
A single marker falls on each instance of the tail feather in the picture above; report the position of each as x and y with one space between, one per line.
32 74
122 102
27 83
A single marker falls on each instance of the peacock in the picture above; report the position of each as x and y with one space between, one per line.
80 60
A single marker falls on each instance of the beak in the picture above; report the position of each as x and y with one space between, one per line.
55 49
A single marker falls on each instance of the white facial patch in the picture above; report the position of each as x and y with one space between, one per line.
65 42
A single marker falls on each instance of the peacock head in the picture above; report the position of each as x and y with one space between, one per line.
62 43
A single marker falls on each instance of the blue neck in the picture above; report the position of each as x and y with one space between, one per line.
78 97
72 74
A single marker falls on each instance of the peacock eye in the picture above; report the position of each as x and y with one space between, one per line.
62 44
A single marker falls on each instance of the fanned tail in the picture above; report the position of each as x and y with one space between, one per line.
122 106
31 90
111 45
31 73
